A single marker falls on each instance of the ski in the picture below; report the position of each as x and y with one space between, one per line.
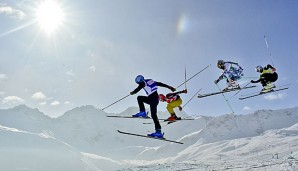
165 120
170 122
179 119
131 117
226 91
115 116
262 93
278 87
119 116
145 136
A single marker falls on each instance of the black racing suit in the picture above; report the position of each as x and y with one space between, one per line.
266 77
152 100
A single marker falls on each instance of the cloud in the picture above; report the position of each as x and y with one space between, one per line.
67 103
246 108
3 77
92 68
39 96
70 73
12 100
14 13
275 96
55 103
42 103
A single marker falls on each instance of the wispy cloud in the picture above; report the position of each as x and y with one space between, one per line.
92 68
275 96
42 103
3 77
70 73
38 96
12 12
246 108
12 100
67 103
55 103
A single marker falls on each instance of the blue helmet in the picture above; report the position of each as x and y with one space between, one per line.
139 79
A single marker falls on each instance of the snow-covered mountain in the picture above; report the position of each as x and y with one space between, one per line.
84 138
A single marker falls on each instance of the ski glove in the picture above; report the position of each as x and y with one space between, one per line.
216 81
172 89
132 93
252 81
180 108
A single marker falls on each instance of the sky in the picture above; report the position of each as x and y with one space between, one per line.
66 54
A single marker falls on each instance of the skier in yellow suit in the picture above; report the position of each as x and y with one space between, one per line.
173 100
268 75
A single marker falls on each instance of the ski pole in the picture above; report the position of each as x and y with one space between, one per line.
191 98
193 76
249 77
185 76
116 102
225 99
239 90
269 51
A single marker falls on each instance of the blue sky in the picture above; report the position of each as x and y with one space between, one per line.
94 54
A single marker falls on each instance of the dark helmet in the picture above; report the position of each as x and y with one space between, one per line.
220 64
259 68
139 79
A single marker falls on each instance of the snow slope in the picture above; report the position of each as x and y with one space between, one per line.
85 139
21 150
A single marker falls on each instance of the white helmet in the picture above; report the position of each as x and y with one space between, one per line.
259 68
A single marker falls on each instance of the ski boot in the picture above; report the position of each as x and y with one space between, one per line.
268 87
265 90
156 134
173 118
141 114
231 85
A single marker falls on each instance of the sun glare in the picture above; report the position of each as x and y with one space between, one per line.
49 15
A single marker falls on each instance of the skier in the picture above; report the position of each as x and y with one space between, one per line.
267 77
173 100
231 71
150 88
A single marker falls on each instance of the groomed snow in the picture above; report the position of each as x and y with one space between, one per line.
85 139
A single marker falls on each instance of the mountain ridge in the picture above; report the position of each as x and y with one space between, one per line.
88 130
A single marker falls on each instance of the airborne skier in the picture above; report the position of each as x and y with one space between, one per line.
150 86
173 100
231 71
267 77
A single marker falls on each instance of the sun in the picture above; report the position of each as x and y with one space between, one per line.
50 16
